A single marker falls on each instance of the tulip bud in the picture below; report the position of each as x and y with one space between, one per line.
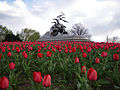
40 55
92 74
9 54
97 60
11 66
104 54
83 70
47 80
116 57
76 60
4 83
37 77
84 54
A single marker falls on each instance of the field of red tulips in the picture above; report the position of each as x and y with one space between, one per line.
59 65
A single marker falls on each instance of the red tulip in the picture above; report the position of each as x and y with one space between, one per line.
8 48
74 49
21 48
84 54
89 49
97 60
49 54
106 47
47 80
116 57
49 48
40 55
13 48
80 47
4 83
83 69
45 48
9 54
3 49
66 50
31 48
38 50
58 46
25 55
76 60
104 54
70 51
59 50
0 56
11 66
84 47
53 49
17 49
92 74
37 77
39 47
24 47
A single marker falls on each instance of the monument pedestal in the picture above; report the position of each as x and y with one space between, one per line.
62 37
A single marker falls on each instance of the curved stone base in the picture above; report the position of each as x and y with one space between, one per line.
65 38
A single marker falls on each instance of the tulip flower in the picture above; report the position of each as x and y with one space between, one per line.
3 49
25 55
4 83
92 74
45 48
47 80
84 47
59 50
49 54
53 49
11 66
70 51
97 60
84 54
9 54
89 49
116 57
38 50
80 47
66 50
8 48
17 49
104 54
76 60
40 55
37 77
83 70
13 48
74 49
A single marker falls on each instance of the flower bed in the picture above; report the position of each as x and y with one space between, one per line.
59 65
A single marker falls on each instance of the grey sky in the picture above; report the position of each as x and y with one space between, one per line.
101 17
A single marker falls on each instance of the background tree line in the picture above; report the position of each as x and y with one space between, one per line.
25 35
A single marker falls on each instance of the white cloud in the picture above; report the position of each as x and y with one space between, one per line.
100 17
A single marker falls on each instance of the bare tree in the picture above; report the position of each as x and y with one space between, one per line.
113 39
79 29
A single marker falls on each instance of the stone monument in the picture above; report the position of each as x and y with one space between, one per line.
58 32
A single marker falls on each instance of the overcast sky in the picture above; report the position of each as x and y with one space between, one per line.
101 17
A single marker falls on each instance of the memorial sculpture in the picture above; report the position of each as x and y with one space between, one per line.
58 32
58 27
